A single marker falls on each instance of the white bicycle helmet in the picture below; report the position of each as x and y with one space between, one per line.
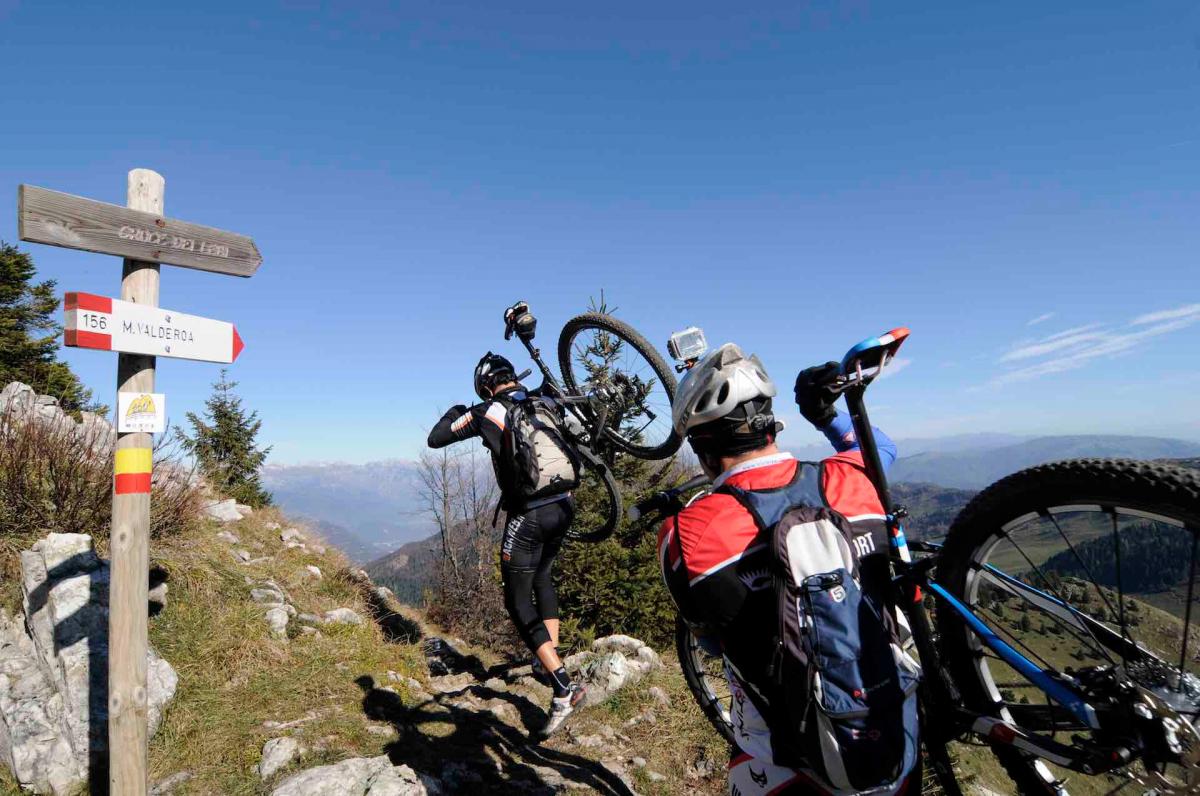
718 386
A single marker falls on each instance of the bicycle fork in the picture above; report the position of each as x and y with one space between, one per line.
937 694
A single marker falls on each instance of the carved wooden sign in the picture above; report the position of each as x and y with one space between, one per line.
61 219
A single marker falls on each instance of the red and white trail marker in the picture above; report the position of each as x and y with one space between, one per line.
110 324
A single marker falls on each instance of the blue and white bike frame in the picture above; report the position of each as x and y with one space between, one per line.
859 367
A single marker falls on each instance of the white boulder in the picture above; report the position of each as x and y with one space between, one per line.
358 776
277 621
278 753
51 697
343 616
222 510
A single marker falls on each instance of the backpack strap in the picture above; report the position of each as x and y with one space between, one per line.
767 506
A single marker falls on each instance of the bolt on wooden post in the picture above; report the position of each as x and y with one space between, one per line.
140 331
130 536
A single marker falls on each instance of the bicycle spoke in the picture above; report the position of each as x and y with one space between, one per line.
1120 588
1058 596
1187 612
1087 570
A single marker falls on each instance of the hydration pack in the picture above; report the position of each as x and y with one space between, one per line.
542 461
848 689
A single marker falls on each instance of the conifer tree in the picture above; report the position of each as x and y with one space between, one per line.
614 586
223 443
29 334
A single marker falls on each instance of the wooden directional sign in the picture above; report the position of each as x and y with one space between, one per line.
61 219
113 325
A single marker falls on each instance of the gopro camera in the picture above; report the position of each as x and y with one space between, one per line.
688 344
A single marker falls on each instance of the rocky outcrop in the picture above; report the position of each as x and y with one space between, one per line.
613 663
19 403
277 753
223 510
358 776
53 679
342 616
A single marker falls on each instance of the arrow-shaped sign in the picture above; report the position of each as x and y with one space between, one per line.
110 324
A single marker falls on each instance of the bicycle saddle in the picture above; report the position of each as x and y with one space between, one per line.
874 352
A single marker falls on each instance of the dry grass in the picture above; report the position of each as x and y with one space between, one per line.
53 480
678 738
233 677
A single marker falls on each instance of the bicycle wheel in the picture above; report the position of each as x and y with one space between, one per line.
599 354
598 502
705 675
1080 565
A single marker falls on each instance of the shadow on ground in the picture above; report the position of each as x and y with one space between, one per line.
466 747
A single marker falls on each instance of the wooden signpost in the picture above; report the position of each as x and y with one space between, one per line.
135 327
134 232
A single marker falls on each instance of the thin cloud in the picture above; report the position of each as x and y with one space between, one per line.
1075 348
1189 311
1044 317
894 367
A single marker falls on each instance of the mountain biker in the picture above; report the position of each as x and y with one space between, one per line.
716 559
533 532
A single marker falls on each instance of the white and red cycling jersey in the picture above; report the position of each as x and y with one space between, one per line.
716 564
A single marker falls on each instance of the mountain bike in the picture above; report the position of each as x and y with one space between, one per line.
616 392
1053 621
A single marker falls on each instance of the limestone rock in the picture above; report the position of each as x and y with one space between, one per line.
277 620
266 596
243 509
96 431
451 683
17 398
32 742
65 587
271 526
402 781
613 663
223 510
359 776
344 616
291 535
167 785
230 538
242 555
659 696
313 570
278 753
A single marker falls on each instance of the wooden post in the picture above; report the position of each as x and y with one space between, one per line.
130 539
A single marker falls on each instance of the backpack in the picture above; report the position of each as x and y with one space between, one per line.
848 689
541 460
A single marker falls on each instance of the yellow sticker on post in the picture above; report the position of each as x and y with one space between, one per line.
141 411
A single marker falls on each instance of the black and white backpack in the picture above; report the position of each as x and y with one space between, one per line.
542 459
849 690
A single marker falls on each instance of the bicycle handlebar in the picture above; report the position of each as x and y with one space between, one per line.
665 500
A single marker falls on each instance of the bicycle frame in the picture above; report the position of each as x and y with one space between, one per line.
938 690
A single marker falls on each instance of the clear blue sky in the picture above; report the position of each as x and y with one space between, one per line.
794 178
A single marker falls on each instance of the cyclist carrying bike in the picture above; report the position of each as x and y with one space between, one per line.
716 559
534 530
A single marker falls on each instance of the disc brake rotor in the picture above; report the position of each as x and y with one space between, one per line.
1180 774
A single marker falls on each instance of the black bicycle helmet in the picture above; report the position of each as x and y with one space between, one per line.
492 369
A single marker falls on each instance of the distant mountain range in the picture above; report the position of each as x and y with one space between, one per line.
364 509
369 510
975 469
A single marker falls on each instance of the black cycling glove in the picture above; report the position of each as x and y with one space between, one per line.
815 395
455 412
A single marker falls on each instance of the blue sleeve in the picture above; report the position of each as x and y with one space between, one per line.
840 433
